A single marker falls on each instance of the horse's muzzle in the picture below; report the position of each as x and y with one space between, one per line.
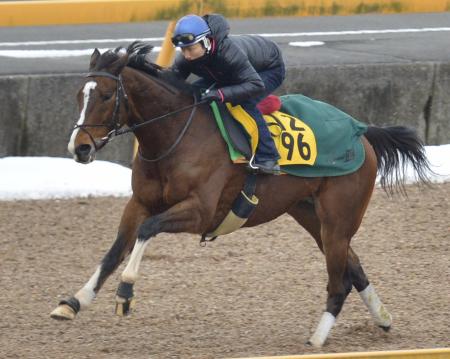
84 153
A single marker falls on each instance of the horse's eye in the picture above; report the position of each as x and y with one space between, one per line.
107 96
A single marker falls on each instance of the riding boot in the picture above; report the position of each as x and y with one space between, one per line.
266 157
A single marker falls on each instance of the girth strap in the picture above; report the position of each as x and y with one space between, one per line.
243 206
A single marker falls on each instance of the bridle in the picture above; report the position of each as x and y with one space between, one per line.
114 125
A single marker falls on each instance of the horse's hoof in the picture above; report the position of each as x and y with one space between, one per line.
124 306
63 312
124 298
314 344
385 328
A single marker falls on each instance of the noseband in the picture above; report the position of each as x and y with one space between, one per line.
114 123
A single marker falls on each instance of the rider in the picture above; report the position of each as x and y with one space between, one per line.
242 69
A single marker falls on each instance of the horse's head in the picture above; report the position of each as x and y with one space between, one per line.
102 104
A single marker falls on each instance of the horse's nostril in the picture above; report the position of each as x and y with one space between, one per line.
83 150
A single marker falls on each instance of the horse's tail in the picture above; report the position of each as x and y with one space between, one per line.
395 147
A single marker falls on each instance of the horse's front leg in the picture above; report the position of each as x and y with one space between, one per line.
185 216
133 215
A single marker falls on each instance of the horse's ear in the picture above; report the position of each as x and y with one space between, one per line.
94 57
117 66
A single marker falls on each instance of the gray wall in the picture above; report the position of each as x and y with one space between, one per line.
414 95
38 111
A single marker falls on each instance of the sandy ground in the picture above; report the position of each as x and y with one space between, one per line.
257 292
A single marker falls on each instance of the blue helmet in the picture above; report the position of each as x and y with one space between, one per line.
189 30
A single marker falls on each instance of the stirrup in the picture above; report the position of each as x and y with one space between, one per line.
255 169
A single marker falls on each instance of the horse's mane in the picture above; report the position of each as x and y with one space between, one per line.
138 59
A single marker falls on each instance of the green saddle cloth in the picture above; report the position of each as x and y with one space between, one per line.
338 137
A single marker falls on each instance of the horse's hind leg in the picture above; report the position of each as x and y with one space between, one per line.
340 283
304 213
335 236
367 292
132 216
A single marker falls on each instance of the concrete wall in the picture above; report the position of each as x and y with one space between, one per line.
37 116
13 106
38 112
382 94
439 124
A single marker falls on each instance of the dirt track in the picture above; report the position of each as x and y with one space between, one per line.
257 292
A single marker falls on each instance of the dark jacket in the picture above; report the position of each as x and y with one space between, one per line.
233 62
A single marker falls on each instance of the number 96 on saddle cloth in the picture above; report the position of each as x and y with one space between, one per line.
294 139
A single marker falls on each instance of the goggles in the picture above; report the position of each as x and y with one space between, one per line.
184 40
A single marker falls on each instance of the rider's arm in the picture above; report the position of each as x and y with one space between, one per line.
246 83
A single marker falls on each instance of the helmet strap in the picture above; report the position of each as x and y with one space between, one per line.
207 44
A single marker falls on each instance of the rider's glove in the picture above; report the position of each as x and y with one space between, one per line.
212 95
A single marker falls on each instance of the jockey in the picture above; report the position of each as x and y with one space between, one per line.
243 70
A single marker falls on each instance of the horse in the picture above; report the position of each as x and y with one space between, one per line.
183 181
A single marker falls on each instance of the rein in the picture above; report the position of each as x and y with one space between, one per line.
115 127
180 135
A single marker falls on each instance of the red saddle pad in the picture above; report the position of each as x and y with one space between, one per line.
270 104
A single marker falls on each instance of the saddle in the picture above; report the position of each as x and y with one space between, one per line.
313 138
294 140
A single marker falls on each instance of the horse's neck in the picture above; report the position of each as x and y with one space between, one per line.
151 99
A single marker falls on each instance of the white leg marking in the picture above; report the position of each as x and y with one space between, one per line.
323 329
86 294
130 272
86 91
376 308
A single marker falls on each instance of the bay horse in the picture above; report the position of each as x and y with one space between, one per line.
184 181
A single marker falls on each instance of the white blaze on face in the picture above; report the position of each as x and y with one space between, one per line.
86 91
